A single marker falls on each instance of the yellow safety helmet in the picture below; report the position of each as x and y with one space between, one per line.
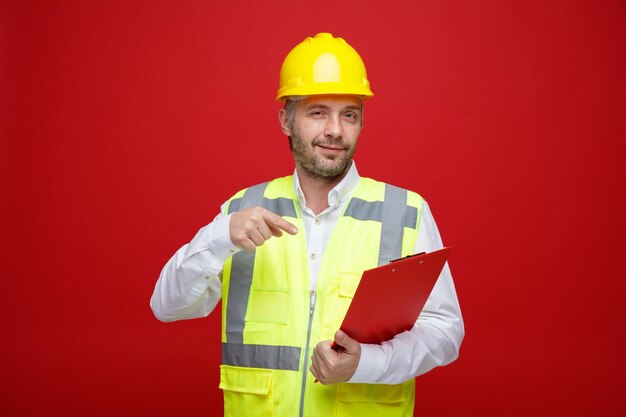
323 65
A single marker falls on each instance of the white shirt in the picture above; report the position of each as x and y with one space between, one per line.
189 287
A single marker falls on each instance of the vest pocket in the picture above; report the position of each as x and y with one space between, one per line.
348 283
247 391
269 305
369 399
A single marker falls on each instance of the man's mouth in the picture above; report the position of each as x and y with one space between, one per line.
331 147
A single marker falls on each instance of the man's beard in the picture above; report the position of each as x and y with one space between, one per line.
316 165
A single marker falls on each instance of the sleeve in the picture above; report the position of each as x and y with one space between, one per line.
189 285
435 338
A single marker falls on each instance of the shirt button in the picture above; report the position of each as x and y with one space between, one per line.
312 256
318 222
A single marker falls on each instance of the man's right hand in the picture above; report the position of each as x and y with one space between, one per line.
252 227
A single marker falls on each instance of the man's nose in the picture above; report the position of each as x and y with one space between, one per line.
334 129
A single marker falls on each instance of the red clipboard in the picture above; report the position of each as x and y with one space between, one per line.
390 298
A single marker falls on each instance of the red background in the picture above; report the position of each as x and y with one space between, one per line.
126 124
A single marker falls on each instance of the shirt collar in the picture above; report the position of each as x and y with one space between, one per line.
339 193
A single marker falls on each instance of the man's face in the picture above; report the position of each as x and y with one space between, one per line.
324 134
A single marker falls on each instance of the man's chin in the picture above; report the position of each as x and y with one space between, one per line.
333 170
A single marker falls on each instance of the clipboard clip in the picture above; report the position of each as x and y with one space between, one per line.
406 257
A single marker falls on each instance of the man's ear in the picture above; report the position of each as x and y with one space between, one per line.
284 122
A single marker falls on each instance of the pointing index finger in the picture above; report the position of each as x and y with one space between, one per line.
280 223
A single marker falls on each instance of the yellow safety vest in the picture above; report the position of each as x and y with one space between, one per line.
269 328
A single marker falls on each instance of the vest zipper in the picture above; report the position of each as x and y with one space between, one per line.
305 362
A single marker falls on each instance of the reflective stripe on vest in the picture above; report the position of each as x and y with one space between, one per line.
261 356
243 265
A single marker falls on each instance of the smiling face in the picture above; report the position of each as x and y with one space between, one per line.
324 134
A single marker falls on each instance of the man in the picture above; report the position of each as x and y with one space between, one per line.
286 257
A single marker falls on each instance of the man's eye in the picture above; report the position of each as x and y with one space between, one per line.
350 116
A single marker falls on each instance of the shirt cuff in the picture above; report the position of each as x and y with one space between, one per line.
371 365
220 245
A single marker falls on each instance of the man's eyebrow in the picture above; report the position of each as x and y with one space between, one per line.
316 106
325 107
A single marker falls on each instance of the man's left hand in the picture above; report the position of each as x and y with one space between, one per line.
333 366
